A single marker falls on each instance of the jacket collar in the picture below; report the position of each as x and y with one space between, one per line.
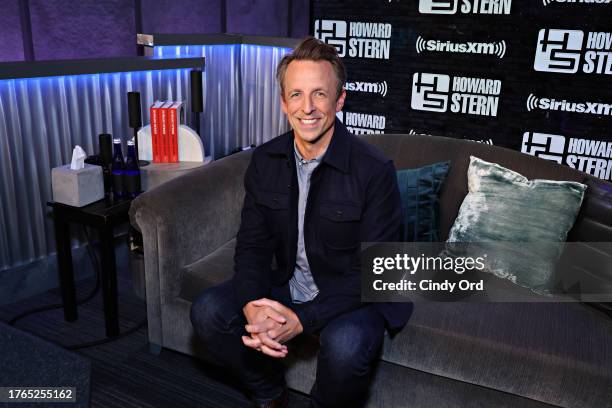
337 154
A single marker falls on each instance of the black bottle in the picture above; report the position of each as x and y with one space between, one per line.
117 169
131 178
106 157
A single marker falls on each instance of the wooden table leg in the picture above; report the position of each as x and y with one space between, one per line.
109 281
64 264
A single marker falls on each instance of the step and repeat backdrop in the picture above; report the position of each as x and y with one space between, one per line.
531 75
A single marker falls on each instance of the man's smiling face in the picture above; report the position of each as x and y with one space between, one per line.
310 100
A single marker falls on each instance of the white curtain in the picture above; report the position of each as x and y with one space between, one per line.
260 103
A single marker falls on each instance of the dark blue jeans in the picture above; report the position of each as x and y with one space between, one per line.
349 346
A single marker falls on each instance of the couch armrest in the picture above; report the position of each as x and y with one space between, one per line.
186 219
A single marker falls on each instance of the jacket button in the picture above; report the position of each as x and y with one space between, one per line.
338 213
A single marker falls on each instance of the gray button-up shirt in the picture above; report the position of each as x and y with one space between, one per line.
302 285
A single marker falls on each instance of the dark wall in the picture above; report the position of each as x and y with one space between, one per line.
300 14
66 29
257 17
181 16
11 44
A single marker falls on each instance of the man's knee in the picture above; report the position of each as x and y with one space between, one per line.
349 347
213 311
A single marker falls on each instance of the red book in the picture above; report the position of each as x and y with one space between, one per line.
155 131
174 116
165 148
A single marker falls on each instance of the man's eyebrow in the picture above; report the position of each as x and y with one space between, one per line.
314 90
299 90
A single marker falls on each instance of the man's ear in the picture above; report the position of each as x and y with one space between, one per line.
340 101
283 103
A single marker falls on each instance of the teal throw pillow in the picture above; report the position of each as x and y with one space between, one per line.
520 224
419 189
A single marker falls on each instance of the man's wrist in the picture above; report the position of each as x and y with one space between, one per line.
300 328
305 320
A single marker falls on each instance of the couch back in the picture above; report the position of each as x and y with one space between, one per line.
594 223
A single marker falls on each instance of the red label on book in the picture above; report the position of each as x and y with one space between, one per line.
155 132
173 130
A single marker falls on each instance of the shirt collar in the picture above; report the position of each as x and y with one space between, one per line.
338 152
299 157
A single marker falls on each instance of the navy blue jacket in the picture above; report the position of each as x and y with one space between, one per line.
353 198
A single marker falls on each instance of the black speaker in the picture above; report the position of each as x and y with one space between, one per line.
135 120
196 91
134 109
106 147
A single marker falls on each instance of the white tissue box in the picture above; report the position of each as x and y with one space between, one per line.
77 187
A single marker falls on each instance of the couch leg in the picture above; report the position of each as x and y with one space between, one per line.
155 349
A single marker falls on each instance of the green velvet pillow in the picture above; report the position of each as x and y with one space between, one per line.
525 222
419 190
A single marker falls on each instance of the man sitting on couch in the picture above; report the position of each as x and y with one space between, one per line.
312 196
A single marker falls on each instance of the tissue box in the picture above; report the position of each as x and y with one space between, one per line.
77 187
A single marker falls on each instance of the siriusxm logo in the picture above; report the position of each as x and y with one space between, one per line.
563 51
356 39
492 48
379 88
465 6
590 156
362 123
592 108
547 2
472 96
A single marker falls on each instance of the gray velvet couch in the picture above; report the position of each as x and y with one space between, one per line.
449 354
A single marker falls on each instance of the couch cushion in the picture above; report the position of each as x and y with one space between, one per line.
504 207
419 189
211 270
393 385
558 353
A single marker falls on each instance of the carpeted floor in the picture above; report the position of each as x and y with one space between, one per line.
124 373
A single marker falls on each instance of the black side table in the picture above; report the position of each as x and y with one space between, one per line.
103 215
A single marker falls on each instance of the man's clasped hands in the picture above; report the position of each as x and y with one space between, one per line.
270 324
